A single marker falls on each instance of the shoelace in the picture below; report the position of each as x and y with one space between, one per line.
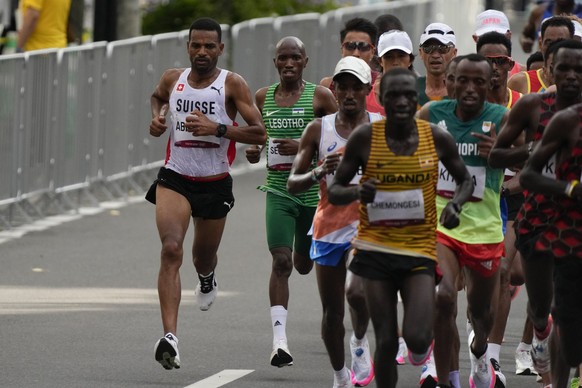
206 284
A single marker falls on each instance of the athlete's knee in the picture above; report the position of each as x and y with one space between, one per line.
303 264
446 300
282 262
172 252
355 294
417 340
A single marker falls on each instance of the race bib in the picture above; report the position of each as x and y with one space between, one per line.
275 161
549 169
183 138
446 183
355 180
397 208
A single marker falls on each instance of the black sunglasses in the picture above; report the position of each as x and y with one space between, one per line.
499 60
361 46
441 48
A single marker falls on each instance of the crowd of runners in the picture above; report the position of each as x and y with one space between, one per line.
394 184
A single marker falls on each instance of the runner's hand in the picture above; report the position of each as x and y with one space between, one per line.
287 146
158 125
253 154
485 143
330 163
368 190
450 217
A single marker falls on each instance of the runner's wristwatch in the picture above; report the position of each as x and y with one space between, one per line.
221 130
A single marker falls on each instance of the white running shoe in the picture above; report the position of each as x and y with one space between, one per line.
500 380
402 352
343 382
166 351
482 373
280 356
362 366
540 353
523 363
206 291
428 376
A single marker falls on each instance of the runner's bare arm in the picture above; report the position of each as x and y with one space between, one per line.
355 157
448 154
301 177
554 140
159 101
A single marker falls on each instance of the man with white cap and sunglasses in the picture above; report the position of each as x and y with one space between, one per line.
492 20
335 226
437 48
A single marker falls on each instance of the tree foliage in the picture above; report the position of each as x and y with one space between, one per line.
177 15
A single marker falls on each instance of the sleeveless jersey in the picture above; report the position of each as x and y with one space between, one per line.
535 84
331 223
286 123
517 68
481 216
513 97
372 103
563 237
423 98
538 209
197 156
402 218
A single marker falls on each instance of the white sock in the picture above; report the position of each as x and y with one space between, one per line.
493 351
279 322
522 347
342 374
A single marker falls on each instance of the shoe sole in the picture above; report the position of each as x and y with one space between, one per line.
281 359
366 381
166 355
525 372
493 382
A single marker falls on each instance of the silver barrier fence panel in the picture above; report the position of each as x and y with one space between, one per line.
305 27
38 140
252 52
125 96
11 111
79 96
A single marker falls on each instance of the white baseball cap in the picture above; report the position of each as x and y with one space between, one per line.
491 20
440 32
354 66
394 40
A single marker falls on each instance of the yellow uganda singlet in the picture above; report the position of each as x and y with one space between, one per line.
402 219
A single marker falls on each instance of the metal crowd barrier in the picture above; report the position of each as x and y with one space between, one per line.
74 122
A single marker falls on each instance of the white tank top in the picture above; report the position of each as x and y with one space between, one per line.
197 156
335 224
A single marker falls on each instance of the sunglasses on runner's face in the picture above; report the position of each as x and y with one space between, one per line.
441 48
361 46
499 60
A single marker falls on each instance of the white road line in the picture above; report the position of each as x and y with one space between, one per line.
221 378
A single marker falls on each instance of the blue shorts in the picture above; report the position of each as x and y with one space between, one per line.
330 254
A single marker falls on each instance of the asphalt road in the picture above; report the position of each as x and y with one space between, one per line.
78 308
